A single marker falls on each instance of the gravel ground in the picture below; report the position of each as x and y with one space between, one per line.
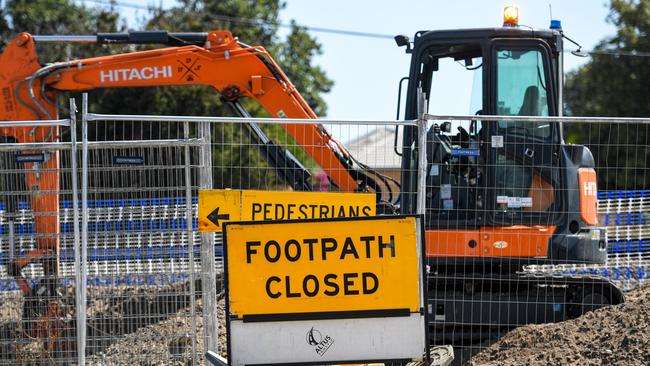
10 308
114 313
168 342
614 335
119 334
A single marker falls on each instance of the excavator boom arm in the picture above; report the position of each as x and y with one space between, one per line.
222 62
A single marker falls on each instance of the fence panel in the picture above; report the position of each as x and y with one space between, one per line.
154 285
142 247
223 154
38 266
502 192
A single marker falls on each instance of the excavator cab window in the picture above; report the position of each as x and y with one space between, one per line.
521 90
452 83
523 177
455 179
479 172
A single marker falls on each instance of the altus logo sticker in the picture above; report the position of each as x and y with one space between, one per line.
315 339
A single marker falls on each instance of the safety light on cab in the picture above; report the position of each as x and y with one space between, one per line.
511 16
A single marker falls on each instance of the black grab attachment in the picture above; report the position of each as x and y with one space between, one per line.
153 37
286 165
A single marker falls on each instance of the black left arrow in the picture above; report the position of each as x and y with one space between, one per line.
214 217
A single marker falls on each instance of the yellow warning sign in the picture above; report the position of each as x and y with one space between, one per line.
219 206
323 266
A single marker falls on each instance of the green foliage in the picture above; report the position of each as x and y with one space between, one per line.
295 55
616 86
57 17
4 25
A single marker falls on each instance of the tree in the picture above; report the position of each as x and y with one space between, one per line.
616 83
253 21
57 17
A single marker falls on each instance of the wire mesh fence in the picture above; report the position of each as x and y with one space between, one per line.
141 181
514 235
515 232
223 153
38 295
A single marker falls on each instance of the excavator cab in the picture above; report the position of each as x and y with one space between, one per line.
485 177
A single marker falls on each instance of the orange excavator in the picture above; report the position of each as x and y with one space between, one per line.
214 58
498 196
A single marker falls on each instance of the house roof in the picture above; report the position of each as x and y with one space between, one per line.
375 149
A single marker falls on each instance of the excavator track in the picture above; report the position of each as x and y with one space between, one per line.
475 307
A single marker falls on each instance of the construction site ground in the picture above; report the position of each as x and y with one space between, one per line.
615 335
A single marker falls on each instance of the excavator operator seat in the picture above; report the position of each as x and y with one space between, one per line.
530 105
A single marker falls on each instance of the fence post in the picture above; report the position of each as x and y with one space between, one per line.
422 155
79 283
190 237
422 188
208 273
81 306
12 245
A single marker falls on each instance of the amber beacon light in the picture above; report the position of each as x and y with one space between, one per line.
511 16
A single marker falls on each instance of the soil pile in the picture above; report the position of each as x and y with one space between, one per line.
614 335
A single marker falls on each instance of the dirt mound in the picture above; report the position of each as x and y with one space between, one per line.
614 335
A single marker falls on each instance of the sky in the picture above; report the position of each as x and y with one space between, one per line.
366 71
